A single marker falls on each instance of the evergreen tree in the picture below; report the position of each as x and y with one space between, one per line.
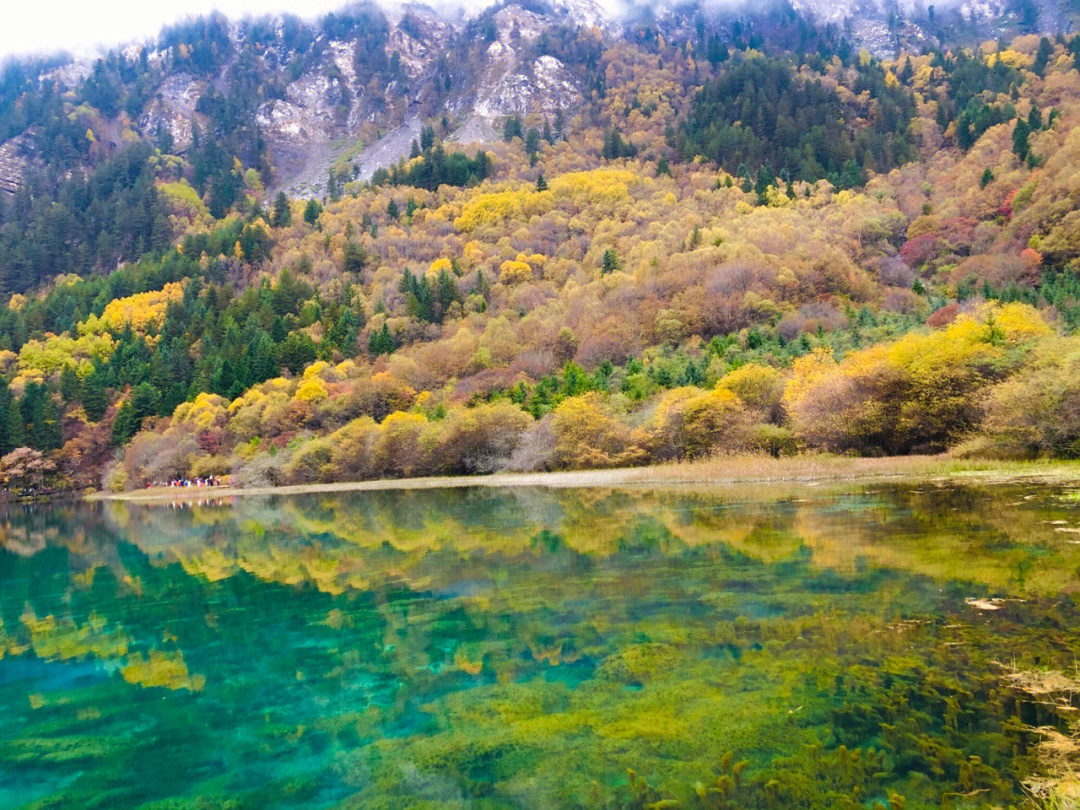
11 425
541 183
145 401
355 257
49 435
512 128
765 179
446 291
610 262
343 335
852 175
615 146
1042 57
427 137
380 342
312 211
94 401
124 426
532 145
392 210
1035 121
1020 138
70 388
41 418
281 215
297 351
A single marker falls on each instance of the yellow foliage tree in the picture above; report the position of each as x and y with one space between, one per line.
514 271
916 393
760 387
588 436
142 312
311 389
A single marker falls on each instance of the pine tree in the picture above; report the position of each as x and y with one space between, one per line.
610 262
446 291
11 426
124 426
380 342
541 183
312 211
70 387
765 179
1020 138
355 257
1042 57
532 145
14 430
94 401
512 128
281 216
49 435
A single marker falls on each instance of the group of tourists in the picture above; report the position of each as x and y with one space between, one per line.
197 481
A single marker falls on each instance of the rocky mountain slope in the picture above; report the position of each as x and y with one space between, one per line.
351 92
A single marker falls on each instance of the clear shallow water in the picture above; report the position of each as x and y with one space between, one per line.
748 647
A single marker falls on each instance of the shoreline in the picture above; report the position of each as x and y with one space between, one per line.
805 470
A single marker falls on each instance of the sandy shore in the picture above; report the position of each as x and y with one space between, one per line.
812 469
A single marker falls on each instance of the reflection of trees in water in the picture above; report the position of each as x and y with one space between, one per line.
556 637
346 540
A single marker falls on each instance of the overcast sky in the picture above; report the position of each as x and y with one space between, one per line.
82 26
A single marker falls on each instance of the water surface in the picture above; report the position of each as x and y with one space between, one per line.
529 648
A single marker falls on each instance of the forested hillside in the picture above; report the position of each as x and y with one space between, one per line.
731 242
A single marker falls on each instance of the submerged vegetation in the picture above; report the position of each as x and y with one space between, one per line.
870 646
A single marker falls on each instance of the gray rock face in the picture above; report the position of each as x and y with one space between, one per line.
331 111
15 160
172 110
511 82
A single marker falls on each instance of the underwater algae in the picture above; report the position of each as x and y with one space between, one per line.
861 647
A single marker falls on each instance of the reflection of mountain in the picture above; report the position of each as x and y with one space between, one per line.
529 646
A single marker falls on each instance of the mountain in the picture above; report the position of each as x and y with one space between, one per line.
353 89
541 236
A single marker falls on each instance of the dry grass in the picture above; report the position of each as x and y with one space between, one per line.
808 469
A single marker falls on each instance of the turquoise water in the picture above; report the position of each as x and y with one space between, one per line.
743 647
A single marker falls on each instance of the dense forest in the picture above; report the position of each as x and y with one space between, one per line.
761 113
729 247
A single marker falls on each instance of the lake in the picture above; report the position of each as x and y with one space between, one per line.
743 647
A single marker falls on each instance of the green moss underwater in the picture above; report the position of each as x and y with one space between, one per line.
869 647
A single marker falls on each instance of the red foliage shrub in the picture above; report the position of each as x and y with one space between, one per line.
946 315
918 251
